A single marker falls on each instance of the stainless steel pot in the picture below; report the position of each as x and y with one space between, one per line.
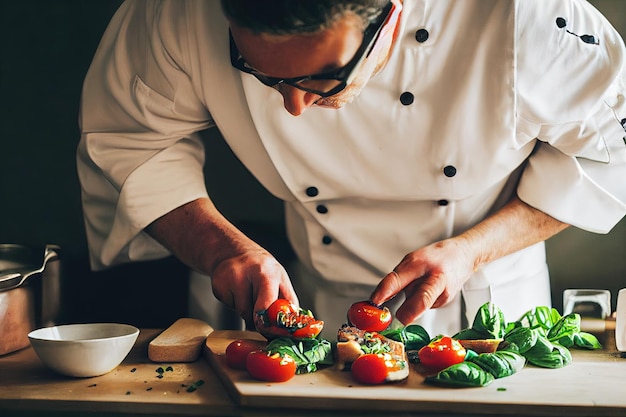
30 280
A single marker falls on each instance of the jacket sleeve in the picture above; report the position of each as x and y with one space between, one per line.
571 82
139 155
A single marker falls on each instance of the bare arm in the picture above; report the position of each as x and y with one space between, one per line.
432 275
244 276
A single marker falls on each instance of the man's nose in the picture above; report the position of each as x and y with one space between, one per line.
296 101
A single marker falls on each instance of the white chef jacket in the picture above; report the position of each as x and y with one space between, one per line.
480 100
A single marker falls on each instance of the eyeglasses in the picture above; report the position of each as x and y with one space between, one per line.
325 84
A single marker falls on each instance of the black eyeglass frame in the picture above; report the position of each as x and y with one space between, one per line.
343 74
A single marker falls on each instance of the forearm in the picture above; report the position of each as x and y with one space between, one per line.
199 235
516 226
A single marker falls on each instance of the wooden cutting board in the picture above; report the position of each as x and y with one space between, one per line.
594 384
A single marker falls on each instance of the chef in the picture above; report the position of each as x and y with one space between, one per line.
424 149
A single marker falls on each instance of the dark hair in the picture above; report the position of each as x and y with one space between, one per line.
287 17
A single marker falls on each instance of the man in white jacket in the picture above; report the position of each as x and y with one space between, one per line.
425 149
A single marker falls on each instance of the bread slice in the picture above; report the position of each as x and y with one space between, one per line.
181 342
353 342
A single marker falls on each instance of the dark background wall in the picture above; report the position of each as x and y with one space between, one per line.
46 49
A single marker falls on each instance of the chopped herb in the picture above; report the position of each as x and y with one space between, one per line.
160 370
501 389
195 385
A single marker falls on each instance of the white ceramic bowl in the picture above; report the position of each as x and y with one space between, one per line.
83 350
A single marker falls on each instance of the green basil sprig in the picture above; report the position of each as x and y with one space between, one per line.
548 355
566 332
488 323
413 336
464 374
307 353
501 363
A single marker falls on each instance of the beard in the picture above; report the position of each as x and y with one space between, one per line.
371 67
342 98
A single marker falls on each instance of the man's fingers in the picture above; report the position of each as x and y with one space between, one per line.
287 291
276 284
265 294
421 295
388 288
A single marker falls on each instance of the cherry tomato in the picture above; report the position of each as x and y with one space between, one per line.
370 369
278 308
311 329
284 319
270 367
442 353
237 352
368 316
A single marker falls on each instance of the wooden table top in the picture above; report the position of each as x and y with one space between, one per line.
28 388
26 385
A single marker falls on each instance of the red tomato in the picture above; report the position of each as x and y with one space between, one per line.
370 368
310 330
284 319
237 352
442 353
280 307
270 367
368 316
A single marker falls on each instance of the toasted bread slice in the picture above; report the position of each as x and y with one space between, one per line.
353 342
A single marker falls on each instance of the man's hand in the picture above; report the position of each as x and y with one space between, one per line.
244 276
429 277
250 282
433 275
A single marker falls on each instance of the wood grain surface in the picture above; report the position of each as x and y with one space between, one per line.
593 385
183 341
134 387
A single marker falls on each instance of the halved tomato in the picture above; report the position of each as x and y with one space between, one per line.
280 308
309 331
238 350
271 367
441 353
368 316
284 319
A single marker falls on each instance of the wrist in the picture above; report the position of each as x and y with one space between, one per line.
198 235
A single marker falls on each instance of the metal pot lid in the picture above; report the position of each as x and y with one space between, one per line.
19 262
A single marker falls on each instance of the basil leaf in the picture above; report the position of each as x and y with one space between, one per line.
464 374
307 353
586 340
488 323
470 354
541 318
469 334
500 364
524 338
413 336
563 331
489 320
548 355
